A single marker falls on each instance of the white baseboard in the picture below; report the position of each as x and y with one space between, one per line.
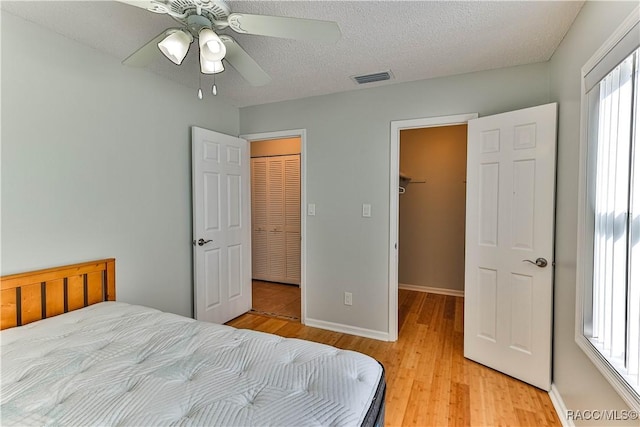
440 291
346 329
560 407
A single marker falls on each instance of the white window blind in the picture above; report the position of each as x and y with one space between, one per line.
615 317
610 318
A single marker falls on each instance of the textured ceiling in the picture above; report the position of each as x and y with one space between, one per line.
415 40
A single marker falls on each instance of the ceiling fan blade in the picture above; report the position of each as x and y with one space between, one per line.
143 4
243 63
156 6
285 27
147 53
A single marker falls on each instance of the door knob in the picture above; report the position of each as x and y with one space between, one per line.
202 242
540 262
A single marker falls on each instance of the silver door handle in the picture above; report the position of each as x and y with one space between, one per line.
202 242
540 262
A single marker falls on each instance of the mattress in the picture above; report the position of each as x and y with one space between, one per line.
118 364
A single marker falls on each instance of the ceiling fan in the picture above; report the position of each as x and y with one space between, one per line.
203 19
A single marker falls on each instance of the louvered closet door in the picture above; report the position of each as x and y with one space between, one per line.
259 218
276 218
292 218
275 208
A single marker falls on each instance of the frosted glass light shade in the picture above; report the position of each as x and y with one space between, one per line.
211 47
175 46
210 67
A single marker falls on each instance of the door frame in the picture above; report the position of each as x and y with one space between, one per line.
302 134
394 182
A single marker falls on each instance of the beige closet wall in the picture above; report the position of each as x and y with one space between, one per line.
432 213
275 147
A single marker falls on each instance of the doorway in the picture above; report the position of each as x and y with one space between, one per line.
278 223
509 237
394 201
432 209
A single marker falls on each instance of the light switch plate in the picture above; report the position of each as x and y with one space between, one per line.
311 209
366 210
348 298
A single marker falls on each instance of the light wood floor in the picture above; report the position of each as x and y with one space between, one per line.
276 300
429 382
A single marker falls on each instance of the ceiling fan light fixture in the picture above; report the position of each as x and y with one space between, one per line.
176 45
210 67
211 47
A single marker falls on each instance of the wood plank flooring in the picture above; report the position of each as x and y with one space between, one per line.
429 382
276 300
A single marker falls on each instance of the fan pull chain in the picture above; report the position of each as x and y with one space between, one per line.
199 85
214 88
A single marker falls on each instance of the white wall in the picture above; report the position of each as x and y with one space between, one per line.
96 162
578 381
348 165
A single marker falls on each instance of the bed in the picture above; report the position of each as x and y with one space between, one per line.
72 355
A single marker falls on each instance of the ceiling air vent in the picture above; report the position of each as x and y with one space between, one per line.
375 77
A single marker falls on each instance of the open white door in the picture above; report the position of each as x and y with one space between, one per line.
509 242
221 225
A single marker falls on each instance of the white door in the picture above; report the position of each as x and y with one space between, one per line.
510 220
221 226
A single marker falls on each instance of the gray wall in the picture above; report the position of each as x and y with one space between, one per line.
348 165
578 381
96 162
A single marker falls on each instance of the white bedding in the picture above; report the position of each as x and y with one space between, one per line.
119 364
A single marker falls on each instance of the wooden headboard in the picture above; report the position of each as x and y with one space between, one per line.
27 297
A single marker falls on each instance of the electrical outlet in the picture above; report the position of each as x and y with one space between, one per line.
348 298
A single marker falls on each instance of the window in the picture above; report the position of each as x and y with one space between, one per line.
608 322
